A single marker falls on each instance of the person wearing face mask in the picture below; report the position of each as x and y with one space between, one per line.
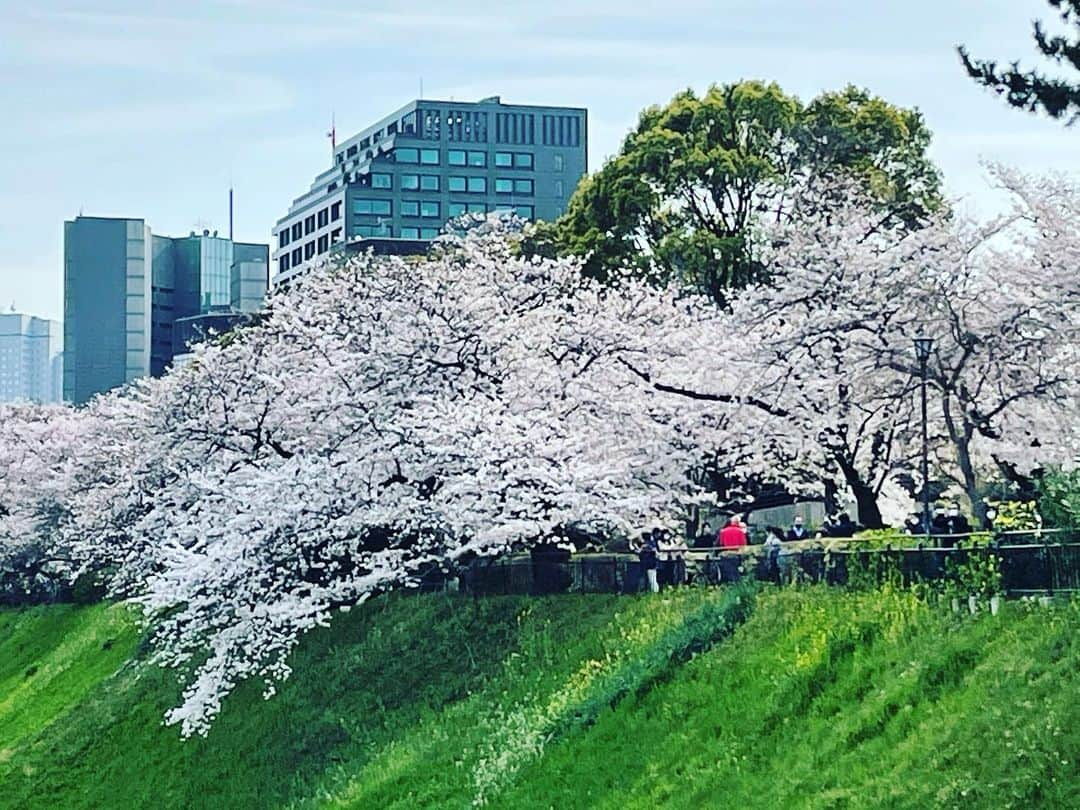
797 530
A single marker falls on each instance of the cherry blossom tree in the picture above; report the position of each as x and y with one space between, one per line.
1000 301
391 415
386 416
824 396
40 445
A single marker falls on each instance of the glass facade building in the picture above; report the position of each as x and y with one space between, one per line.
107 302
402 178
125 288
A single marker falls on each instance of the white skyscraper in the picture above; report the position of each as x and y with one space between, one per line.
31 358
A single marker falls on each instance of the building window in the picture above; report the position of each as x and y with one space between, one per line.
297 256
455 209
478 185
410 182
335 236
429 182
407 155
381 229
523 160
309 225
455 157
559 189
504 185
478 159
283 238
429 209
456 184
381 180
371 207
504 160
351 151
523 186
324 218
429 233
283 263
309 250
297 231
429 157
410 208
477 208
557 161
335 212
524 211
410 233
324 243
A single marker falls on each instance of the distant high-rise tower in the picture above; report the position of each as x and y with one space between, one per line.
107 289
125 289
394 184
30 358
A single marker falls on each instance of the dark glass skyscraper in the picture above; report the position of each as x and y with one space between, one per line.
107 302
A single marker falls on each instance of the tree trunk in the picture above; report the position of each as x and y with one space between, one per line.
869 514
866 503
831 493
961 439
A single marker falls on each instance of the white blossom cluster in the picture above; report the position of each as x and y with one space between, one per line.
395 414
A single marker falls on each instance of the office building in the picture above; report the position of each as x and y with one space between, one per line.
201 276
125 288
395 184
31 359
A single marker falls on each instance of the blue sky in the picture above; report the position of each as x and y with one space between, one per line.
152 109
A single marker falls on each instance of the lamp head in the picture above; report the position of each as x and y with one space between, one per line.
922 347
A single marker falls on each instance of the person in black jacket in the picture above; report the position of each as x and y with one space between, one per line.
843 526
948 524
797 531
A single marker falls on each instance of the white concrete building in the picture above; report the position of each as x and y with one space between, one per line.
31 358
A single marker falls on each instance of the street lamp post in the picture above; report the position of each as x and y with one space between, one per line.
922 352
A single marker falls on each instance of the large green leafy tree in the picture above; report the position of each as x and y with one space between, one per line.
1031 90
683 196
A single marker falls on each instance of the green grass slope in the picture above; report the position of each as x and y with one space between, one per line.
694 698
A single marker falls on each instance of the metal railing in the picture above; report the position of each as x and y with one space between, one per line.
1034 562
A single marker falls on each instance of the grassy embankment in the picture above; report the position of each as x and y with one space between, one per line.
693 698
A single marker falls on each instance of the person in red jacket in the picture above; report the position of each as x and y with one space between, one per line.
732 535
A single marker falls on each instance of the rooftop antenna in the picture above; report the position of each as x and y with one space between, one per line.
332 135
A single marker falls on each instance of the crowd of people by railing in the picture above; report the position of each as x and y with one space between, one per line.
782 549
733 535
